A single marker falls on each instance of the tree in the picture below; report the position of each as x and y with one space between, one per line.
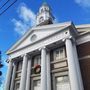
1 65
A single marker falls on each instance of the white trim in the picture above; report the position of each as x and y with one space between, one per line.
85 57
83 39
58 36
82 26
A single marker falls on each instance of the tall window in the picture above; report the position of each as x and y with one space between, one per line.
59 53
59 69
41 19
19 68
59 59
17 85
19 65
37 85
35 80
37 60
62 83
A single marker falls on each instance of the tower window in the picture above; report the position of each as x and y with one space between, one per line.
42 10
41 19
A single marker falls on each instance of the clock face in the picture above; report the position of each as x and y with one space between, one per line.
33 37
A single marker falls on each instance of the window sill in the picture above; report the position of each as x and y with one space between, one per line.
60 60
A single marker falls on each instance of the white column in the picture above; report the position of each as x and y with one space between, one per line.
28 75
71 65
8 76
43 69
78 67
13 76
48 72
23 73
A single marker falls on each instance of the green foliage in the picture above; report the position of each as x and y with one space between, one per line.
1 65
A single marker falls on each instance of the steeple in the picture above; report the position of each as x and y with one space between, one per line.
44 15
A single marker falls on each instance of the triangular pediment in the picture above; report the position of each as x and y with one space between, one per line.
36 34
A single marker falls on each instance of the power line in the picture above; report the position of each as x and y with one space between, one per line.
4 4
7 7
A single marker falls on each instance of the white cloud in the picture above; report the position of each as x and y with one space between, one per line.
26 19
83 3
27 14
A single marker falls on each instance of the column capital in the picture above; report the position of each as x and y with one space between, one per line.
70 38
23 55
29 56
64 39
26 55
9 60
44 47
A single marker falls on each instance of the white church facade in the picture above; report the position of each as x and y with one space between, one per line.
46 57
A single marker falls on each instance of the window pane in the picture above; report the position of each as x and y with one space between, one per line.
59 53
17 86
19 66
56 55
62 83
37 60
37 85
62 53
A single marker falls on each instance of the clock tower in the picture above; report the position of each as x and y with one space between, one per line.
44 15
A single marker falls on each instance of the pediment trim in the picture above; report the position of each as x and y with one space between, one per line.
63 25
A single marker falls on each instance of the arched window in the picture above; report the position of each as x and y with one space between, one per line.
42 10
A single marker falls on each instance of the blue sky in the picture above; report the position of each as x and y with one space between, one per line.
21 16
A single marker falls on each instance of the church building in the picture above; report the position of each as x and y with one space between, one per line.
50 56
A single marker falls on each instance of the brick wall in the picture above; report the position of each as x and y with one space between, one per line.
84 51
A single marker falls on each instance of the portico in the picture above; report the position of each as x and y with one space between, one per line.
75 84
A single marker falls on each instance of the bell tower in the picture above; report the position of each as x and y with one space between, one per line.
44 16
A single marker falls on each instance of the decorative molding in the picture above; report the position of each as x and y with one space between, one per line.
69 37
83 39
85 57
64 25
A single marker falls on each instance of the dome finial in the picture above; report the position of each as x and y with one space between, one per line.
44 3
